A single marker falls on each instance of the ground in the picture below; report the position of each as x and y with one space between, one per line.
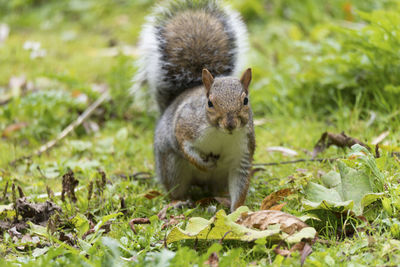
312 74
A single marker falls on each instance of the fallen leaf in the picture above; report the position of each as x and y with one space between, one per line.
138 221
380 138
152 194
13 232
230 227
27 238
162 214
305 252
303 247
37 252
174 220
273 198
278 207
262 219
213 260
284 150
6 207
36 212
287 252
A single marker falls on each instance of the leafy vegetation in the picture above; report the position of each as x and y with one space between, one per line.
318 66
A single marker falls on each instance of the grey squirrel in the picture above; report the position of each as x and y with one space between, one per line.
205 135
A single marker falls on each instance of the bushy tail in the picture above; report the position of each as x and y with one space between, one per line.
181 38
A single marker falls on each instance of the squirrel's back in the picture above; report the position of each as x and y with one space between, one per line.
183 37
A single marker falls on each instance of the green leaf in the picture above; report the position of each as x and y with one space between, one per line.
350 189
316 193
331 179
355 184
81 224
106 219
39 251
6 207
38 229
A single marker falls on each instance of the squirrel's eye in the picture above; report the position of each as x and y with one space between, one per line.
210 104
245 101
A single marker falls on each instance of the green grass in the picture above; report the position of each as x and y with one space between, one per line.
295 98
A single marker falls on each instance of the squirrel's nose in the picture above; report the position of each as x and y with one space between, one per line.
231 125
230 122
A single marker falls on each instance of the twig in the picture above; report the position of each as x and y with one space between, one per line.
5 192
295 161
340 140
68 129
138 221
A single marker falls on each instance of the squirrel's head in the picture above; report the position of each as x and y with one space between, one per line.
227 105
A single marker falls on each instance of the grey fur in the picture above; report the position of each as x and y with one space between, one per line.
171 65
173 169
194 145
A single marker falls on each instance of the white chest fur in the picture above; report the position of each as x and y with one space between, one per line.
229 147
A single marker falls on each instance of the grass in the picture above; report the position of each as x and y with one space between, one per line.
85 45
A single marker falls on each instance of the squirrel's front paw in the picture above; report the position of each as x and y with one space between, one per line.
210 161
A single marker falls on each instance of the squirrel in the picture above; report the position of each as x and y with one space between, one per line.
191 52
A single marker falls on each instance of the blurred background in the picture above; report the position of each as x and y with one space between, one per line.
332 61
318 66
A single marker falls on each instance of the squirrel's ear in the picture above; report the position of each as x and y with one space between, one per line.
246 79
208 80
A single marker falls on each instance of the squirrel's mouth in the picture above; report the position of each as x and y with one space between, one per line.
229 131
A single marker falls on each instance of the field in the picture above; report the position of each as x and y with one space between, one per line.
92 198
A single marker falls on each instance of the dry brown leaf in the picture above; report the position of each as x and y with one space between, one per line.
278 207
273 198
174 220
36 212
15 127
213 260
138 221
263 218
305 252
152 194
162 214
286 252
303 247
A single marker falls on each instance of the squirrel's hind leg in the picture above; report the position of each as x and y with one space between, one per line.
173 174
